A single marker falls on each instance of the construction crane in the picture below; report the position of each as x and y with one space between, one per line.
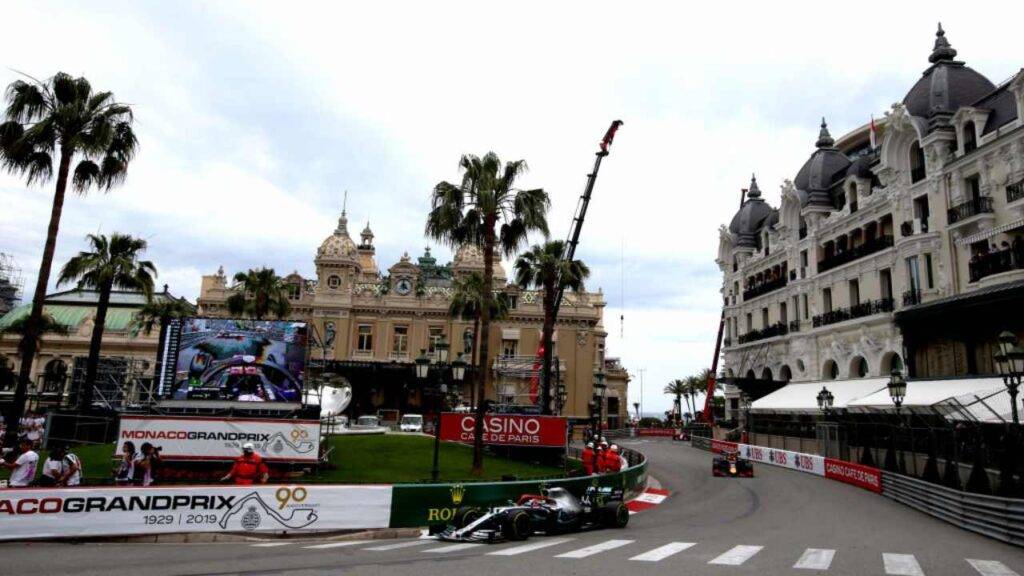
573 241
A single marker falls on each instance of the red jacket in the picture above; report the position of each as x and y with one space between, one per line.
612 462
248 469
588 460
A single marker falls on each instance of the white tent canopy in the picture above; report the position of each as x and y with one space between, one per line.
802 397
927 393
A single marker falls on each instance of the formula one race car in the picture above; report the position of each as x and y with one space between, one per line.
731 465
554 511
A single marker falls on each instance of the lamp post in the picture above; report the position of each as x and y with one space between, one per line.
745 404
825 400
897 391
1010 363
439 392
600 389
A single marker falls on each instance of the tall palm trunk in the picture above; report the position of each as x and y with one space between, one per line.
474 359
547 335
485 329
27 346
93 362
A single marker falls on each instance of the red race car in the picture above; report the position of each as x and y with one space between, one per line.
729 464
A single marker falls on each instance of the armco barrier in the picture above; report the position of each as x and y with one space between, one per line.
995 517
426 504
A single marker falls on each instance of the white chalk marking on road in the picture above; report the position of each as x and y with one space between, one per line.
662 552
651 498
815 559
595 549
516 550
737 555
453 548
902 565
387 547
336 544
991 568
270 544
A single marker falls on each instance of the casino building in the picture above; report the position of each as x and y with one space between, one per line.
368 326
907 255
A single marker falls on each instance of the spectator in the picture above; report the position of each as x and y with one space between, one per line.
61 468
124 474
249 468
147 464
23 469
588 458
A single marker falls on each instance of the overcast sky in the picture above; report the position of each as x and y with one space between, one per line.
253 119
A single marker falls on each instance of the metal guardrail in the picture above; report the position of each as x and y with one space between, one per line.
993 516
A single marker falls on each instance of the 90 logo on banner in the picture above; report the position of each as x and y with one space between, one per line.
299 434
287 496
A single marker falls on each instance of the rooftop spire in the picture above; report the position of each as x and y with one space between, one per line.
942 50
754 191
824 138
343 220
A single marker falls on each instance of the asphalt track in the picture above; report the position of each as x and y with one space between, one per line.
780 522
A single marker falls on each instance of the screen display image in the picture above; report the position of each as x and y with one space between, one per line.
243 360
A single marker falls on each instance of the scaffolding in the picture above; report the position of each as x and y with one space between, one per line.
11 283
514 376
123 384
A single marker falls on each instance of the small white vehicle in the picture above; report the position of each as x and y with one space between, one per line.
412 423
368 422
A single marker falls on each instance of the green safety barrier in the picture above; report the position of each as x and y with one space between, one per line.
415 505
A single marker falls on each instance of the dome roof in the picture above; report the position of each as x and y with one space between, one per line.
946 85
750 218
822 171
861 167
338 246
470 258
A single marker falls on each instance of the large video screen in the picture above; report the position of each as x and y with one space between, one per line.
240 360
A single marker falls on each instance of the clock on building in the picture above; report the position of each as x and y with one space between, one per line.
403 286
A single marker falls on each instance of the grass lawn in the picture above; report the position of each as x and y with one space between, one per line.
363 459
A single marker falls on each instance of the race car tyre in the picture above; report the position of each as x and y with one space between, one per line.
517 526
466 515
614 515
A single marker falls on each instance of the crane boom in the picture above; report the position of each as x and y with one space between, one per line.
709 416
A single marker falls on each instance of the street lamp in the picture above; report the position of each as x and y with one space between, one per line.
897 390
1010 363
825 400
600 389
458 372
745 404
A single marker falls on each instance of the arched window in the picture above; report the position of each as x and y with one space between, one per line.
800 364
891 361
858 367
917 170
785 374
831 370
970 137
750 375
766 374
851 195
55 374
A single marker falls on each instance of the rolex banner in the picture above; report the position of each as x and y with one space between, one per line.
198 438
507 429
77 512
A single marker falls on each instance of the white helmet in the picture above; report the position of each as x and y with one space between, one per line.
590 444
615 448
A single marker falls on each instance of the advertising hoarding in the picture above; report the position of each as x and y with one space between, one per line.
75 512
234 359
866 477
198 438
507 429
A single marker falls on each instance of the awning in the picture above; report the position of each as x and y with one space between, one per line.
986 234
923 395
992 408
802 397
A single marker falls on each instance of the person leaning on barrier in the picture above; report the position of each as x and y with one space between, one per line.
23 469
146 465
124 474
61 468
249 468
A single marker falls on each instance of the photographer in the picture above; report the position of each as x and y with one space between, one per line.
147 464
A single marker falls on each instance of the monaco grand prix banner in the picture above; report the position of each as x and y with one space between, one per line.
507 429
187 438
75 512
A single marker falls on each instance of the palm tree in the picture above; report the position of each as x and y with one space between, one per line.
543 267
61 116
260 294
157 312
486 210
110 263
467 303
676 388
47 325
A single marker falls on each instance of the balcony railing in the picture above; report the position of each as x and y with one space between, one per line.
995 262
764 288
856 311
972 207
915 226
777 329
794 326
870 247
1015 192
912 297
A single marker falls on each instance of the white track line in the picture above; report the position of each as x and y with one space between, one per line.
660 553
336 544
387 547
737 555
815 559
901 565
271 544
516 550
595 549
453 548
991 568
